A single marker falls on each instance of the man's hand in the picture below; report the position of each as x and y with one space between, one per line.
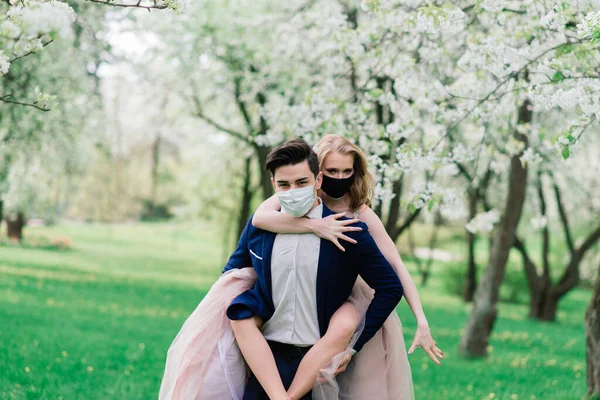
332 229
424 340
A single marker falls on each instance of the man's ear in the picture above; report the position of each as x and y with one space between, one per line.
319 180
273 183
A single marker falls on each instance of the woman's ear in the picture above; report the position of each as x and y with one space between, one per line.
319 180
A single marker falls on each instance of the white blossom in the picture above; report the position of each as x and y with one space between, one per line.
460 154
383 193
498 167
554 20
453 206
38 19
4 63
514 146
493 5
178 5
9 30
539 222
530 157
483 222
421 193
590 25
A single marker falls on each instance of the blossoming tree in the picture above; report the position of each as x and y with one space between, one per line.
510 81
431 90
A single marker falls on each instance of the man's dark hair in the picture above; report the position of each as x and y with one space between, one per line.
292 152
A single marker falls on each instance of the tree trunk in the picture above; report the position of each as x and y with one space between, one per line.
481 321
543 302
14 227
265 176
536 296
424 277
471 275
391 225
550 308
592 336
246 198
154 168
1 214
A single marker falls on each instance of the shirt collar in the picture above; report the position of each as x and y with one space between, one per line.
316 212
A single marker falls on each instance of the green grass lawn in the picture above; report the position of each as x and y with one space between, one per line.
95 322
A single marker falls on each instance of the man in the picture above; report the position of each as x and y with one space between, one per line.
302 279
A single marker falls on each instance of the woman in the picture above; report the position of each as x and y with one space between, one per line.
346 189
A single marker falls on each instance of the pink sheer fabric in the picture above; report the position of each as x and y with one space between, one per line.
204 361
379 371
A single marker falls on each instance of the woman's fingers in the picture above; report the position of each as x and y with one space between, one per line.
337 243
432 356
351 229
412 348
436 353
349 222
348 239
343 364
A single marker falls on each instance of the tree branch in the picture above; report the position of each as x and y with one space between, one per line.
463 171
6 100
570 277
241 104
31 52
501 84
222 128
564 219
545 231
589 242
200 114
528 264
408 221
136 5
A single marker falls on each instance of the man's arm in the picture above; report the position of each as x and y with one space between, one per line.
241 256
381 277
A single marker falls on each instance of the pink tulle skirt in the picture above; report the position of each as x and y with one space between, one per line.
204 362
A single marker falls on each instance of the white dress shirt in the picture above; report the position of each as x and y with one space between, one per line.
294 264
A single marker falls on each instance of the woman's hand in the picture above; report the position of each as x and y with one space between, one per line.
332 229
424 340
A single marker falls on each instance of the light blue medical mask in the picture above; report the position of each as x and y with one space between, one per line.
297 202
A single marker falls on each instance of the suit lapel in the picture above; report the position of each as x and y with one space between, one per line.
267 251
325 253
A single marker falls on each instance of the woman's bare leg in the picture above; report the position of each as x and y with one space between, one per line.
258 355
339 333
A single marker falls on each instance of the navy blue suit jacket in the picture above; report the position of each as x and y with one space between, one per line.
336 275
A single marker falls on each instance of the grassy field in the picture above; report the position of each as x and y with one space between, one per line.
95 321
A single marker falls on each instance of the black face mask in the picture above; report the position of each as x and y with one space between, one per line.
336 188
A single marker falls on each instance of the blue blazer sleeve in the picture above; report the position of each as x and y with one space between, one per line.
381 277
241 256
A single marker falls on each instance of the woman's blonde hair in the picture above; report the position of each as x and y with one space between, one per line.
361 191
